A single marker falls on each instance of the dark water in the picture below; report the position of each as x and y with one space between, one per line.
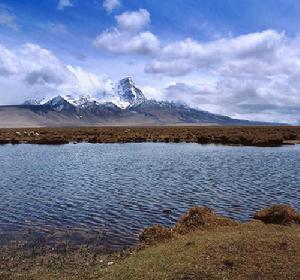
120 188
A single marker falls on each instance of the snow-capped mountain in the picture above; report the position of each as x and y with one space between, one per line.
126 105
129 94
59 103
82 101
125 94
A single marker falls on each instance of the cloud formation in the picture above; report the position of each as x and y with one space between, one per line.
8 19
128 37
111 5
224 55
254 76
33 72
116 41
62 4
133 21
7 62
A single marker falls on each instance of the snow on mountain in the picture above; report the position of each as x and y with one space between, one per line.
59 103
82 101
125 94
129 94
124 104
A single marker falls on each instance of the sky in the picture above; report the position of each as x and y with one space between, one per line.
239 58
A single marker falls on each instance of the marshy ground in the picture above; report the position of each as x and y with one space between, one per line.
201 245
249 136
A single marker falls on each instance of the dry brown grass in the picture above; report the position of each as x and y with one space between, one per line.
278 214
211 247
202 218
248 251
250 136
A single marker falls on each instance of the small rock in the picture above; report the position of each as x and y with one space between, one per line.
18 133
110 263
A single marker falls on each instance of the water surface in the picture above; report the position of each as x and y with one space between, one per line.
121 188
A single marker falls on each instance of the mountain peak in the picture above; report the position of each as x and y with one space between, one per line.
125 94
59 103
129 93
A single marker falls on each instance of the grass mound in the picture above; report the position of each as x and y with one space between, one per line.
201 218
278 214
197 218
155 234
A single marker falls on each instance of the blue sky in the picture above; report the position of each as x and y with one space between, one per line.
171 20
233 57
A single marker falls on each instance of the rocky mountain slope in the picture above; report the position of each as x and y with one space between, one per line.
126 106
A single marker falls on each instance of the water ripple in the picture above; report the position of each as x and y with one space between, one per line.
121 188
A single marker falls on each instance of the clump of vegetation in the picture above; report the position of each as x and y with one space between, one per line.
202 245
155 234
248 136
278 214
197 218
201 218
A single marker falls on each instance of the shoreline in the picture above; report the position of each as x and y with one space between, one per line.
222 244
241 136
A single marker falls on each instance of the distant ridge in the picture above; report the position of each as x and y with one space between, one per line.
126 106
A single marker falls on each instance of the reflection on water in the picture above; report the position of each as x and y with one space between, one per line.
114 190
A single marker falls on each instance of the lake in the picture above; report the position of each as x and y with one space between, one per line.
119 189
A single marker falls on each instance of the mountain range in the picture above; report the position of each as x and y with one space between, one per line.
127 106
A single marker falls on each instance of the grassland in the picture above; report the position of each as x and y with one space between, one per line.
210 247
249 136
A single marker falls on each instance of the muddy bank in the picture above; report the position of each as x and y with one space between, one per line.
247 136
201 245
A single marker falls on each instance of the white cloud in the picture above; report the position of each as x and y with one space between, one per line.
222 55
268 100
62 4
33 72
128 37
153 93
7 62
171 68
8 19
91 84
133 21
254 76
111 5
120 42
